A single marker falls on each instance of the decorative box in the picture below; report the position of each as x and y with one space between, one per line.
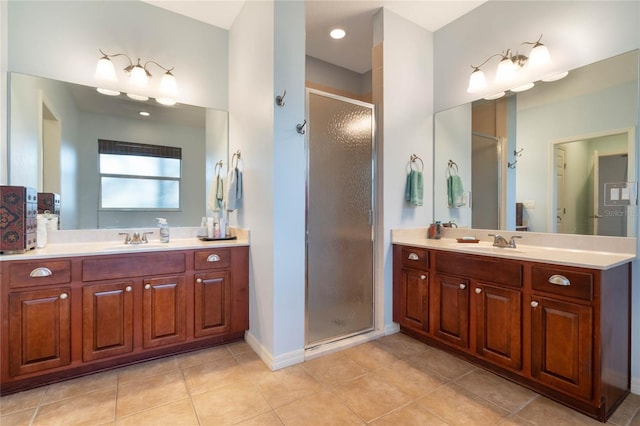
18 218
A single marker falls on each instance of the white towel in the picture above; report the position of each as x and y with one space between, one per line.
216 193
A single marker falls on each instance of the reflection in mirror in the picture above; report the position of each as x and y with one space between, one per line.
54 128
590 117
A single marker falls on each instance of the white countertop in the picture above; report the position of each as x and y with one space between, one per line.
620 254
69 246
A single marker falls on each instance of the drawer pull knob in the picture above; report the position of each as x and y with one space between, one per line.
213 258
147 287
422 277
199 280
64 296
128 289
413 256
559 280
463 286
41 272
478 290
534 304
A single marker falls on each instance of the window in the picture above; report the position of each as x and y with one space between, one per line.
139 176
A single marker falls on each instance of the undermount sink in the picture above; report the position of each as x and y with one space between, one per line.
132 247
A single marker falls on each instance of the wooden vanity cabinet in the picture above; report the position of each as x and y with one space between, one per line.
411 295
562 331
86 314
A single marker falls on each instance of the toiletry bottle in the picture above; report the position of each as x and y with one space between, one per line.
216 228
202 231
164 229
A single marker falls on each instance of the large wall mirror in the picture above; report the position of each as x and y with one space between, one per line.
559 157
54 128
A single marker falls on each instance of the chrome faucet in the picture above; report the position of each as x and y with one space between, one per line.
500 241
137 238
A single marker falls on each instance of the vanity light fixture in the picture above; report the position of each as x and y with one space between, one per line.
509 65
139 75
337 33
523 87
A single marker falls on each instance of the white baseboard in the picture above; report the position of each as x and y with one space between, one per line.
635 385
392 328
274 363
340 345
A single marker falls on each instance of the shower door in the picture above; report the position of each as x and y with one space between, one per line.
339 218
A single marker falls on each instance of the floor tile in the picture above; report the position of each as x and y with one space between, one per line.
458 406
333 368
212 375
497 390
371 397
626 411
284 386
320 409
542 411
230 404
410 415
441 362
402 345
75 387
138 395
240 347
102 410
21 401
147 369
409 379
176 413
636 420
270 418
17 419
370 355
203 356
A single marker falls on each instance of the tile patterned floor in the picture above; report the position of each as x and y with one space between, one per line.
394 380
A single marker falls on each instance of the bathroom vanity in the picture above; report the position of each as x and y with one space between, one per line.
556 321
68 315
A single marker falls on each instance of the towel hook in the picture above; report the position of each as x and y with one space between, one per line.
413 159
280 98
300 127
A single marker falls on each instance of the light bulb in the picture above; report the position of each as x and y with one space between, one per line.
105 70
477 82
506 70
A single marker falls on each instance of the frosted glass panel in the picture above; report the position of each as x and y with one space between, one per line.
339 204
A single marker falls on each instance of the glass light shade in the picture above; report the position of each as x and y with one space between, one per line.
166 101
137 97
168 84
495 96
105 70
107 92
138 75
477 82
506 70
523 87
539 55
556 77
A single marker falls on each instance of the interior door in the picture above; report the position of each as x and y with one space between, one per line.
611 218
486 181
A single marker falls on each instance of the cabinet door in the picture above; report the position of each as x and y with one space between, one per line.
413 294
450 309
107 320
39 330
498 325
163 311
561 345
212 303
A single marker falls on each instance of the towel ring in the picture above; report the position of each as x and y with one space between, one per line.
413 159
236 157
451 166
218 167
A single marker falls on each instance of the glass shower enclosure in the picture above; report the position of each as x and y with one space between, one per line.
340 172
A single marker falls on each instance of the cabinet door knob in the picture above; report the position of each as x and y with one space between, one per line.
41 272
559 280
213 258
422 277
147 287
478 290
64 296
534 304
413 256
199 280
462 286
128 289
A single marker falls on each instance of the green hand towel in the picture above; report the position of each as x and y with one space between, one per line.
455 192
415 188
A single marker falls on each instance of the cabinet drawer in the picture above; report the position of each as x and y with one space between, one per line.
132 265
566 282
213 259
415 258
27 274
480 268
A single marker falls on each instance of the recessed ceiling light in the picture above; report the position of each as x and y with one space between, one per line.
337 33
137 97
144 113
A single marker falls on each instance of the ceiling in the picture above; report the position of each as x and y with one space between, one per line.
355 17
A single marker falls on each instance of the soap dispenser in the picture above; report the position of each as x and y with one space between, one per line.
164 229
